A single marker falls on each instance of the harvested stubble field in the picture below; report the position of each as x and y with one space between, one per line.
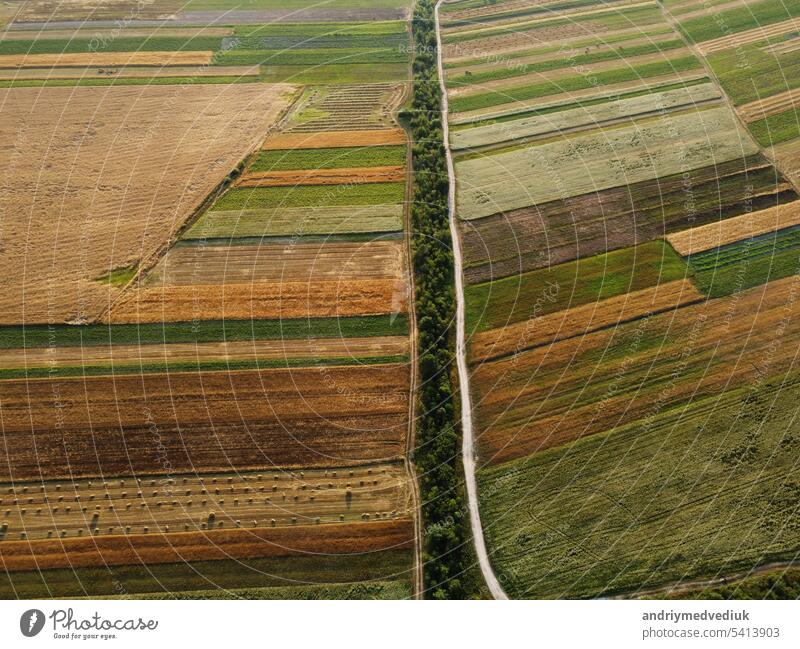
257 350
298 221
787 157
203 502
607 158
205 421
105 59
260 576
596 222
131 72
262 301
585 280
171 145
727 23
740 265
693 493
584 117
768 106
770 33
216 545
343 176
330 139
581 320
530 402
69 10
292 262
748 225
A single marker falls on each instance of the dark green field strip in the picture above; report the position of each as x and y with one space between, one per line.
373 590
782 583
335 73
520 13
748 73
516 298
700 490
312 196
33 336
310 57
508 72
203 575
289 159
174 367
738 19
621 19
121 44
777 128
578 103
747 263
124 81
573 83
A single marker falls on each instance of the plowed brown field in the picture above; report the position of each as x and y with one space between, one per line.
555 394
336 139
306 262
549 328
202 421
81 195
261 301
207 546
745 226
348 175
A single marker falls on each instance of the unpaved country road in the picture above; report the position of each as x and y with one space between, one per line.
468 443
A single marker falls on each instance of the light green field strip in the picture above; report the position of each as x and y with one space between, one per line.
607 158
719 24
569 99
297 222
579 117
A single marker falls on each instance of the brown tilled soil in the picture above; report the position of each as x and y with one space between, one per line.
582 320
745 226
262 301
336 139
137 549
559 231
263 350
104 59
299 262
93 179
202 421
555 394
341 176
186 503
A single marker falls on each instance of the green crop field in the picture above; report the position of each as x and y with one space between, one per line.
744 264
702 490
312 196
281 160
747 73
782 583
498 303
777 128
738 19
32 336
573 83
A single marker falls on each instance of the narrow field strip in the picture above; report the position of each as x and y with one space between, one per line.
338 176
312 196
756 35
88 33
714 235
768 106
292 262
579 321
262 301
329 139
91 59
129 72
333 158
297 221
207 545
267 350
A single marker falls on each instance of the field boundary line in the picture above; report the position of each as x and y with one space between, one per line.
468 435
